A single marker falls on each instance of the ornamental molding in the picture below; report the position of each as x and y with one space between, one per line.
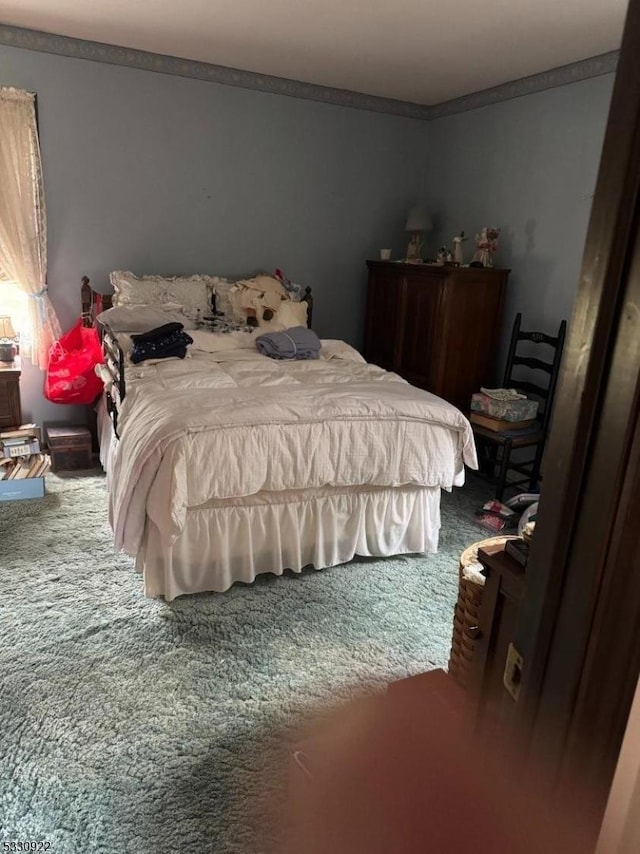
113 54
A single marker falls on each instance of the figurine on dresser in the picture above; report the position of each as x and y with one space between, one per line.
486 245
444 256
457 241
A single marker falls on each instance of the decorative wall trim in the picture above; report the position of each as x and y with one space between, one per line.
99 52
595 66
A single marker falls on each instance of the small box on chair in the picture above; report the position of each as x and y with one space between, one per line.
69 447
507 410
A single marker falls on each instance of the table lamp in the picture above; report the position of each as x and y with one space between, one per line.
418 221
8 337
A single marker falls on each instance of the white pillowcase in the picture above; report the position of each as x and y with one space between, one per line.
129 289
193 293
142 318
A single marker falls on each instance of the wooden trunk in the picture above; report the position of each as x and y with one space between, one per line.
69 447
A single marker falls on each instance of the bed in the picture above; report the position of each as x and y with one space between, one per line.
228 464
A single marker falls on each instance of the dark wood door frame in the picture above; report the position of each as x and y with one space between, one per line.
579 630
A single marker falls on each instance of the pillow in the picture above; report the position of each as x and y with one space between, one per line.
142 318
291 313
129 289
193 293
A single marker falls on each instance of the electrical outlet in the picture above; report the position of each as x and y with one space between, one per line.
513 672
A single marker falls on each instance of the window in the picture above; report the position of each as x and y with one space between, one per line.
23 227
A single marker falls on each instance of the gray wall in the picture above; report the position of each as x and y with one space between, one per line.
154 173
528 166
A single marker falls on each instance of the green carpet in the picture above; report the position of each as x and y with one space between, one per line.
133 725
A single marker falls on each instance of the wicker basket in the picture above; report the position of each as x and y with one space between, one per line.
465 616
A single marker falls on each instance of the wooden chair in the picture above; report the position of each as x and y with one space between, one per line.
490 442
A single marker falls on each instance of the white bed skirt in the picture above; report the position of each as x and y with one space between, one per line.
236 540
272 532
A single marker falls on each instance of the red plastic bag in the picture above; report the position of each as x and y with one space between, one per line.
70 376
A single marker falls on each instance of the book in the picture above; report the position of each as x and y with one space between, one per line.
498 425
44 466
27 431
39 464
22 470
20 447
36 461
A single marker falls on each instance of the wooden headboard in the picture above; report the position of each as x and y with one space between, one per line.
92 302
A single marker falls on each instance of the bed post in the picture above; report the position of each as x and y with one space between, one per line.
86 295
308 298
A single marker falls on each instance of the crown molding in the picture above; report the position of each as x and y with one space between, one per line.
141 59
113 54
595 66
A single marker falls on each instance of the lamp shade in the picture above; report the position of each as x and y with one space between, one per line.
6 327
419 219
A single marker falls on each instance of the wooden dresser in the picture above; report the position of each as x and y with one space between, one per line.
10 406
437 326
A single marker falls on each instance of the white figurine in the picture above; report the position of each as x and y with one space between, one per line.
486 245
457 248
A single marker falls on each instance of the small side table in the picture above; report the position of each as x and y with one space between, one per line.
10 405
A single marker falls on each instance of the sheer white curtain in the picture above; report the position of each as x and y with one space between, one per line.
23 221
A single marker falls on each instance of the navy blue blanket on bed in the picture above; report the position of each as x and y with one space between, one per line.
163 342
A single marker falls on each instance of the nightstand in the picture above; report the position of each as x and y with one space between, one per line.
10 407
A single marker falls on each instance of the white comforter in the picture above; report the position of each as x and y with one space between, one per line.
234 423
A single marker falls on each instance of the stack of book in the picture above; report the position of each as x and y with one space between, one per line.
35 465
20 455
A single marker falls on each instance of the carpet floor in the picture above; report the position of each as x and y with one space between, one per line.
133 725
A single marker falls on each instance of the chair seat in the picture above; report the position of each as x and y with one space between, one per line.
521 438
